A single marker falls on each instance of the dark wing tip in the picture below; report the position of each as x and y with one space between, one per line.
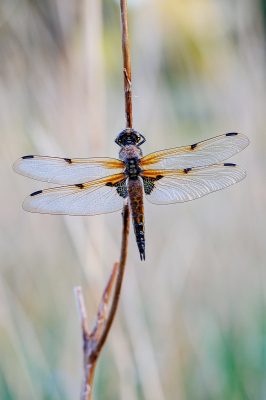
35 193
244 140
142 255
16 164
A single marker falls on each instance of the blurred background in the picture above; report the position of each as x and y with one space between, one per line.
191 324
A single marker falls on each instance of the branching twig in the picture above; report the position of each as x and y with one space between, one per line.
90 339
94 341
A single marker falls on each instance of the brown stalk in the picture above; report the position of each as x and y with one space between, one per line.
89 339
93 342
127 65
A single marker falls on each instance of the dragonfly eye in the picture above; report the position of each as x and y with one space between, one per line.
129 137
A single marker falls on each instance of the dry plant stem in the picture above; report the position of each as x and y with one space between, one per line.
126 62
89 339
94 341
119 279
125 214
81 311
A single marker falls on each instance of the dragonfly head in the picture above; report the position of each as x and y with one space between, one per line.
129 136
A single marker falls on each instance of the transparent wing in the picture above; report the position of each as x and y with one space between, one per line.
98 197
66 170
166 187
200 154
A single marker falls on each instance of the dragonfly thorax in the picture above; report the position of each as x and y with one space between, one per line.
130 151
132 168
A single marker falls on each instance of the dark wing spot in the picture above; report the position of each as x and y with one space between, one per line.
229 165
25 157
121 188
148 183
231 134
68 160
80 185
193 146
38 192
186 170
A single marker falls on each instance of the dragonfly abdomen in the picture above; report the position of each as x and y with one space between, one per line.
135 194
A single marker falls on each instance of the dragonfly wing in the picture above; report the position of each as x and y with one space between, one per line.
67 170
166 187
97 197
200 154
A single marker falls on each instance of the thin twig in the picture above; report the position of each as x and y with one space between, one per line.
93 342
125 214
82 314
102 310
89 339
127 65
119 279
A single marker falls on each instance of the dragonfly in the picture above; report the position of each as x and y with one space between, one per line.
102 185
